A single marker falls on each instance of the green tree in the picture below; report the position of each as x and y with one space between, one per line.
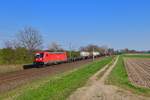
7 55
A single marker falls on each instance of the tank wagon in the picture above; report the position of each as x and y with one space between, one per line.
85 54
96 54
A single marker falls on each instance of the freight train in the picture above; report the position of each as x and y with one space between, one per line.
46 58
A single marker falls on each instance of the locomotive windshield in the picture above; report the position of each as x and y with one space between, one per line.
39 55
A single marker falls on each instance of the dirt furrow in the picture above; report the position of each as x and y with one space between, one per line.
140 78
139 69
133 74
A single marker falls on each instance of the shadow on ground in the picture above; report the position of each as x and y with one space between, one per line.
29 66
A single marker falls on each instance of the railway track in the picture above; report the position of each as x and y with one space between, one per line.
12 80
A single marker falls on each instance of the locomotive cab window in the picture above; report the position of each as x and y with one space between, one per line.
39 55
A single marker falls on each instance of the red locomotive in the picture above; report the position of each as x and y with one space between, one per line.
43 58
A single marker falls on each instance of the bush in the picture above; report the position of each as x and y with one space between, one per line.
73 54
15 56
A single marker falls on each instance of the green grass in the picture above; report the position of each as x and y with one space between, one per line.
119 77
61 87
137 56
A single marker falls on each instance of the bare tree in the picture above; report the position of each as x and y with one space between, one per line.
30 38
111 51
90 48
102 50
54 46
16 44
11 44
8 44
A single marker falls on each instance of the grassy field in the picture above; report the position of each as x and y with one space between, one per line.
119 77
58 87
138 56
10 68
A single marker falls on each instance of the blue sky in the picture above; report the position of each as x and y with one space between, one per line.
115 23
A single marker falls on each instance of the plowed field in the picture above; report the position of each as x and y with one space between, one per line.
138 70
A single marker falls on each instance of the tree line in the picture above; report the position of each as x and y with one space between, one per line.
20 50
29 40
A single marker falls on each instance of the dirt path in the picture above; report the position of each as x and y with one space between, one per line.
95 89
10 81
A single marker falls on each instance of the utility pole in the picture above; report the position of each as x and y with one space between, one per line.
93 54
70 50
